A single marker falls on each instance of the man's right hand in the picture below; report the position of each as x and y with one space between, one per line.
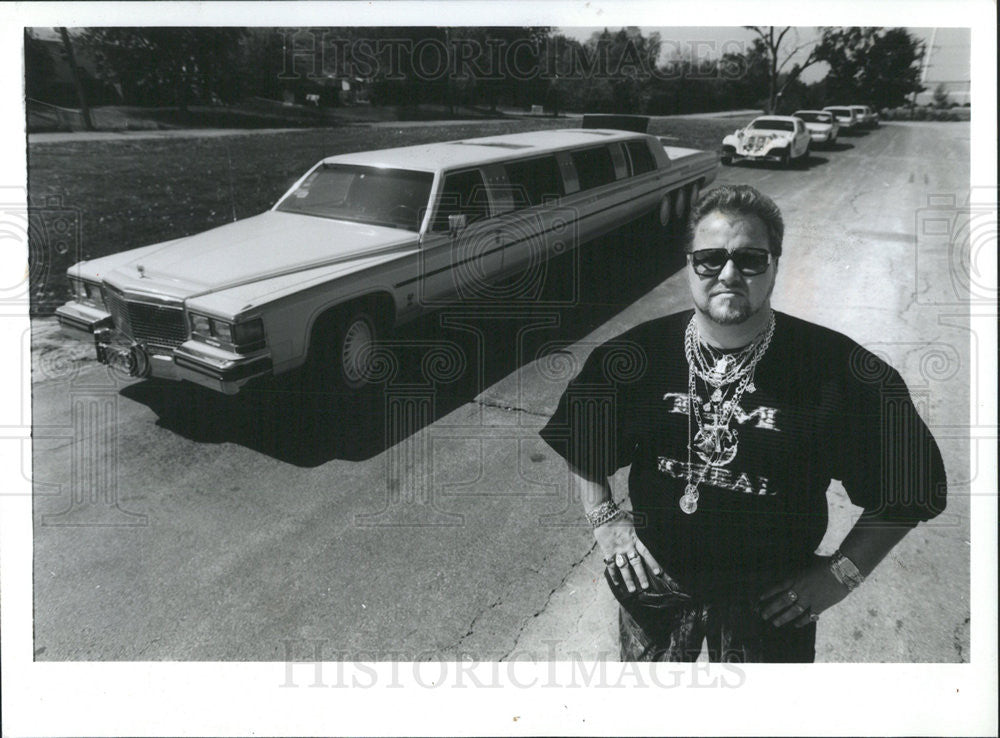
624 554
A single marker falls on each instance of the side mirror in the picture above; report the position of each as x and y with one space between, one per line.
457 223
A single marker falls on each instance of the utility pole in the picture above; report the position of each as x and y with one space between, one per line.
927 62
87 122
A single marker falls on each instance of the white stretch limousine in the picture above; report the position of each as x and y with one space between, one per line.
366 241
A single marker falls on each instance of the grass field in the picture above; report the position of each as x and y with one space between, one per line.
121 194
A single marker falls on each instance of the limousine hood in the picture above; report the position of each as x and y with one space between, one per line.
260 247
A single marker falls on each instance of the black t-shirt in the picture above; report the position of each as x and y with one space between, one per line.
824 408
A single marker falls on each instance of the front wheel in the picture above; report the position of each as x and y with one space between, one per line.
342 354
784 159
804 159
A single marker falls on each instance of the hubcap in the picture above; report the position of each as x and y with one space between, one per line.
665 211
356 350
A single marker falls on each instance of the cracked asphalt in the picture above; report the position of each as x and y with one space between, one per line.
430 522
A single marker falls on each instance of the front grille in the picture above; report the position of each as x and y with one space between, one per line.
158 325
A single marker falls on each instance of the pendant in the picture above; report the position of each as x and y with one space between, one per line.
689 502
721 365
706 442
751 388
716 446
717 395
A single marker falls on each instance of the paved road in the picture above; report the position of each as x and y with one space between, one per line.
218 528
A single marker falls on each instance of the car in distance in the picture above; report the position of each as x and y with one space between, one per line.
777 138
822 126
846 117
867 117
367 241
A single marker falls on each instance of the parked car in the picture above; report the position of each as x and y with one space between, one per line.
822 126
867 117
777 138
364 242
846 117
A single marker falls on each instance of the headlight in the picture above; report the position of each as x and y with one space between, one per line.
199 324
221 330
246 335
79 291
88 293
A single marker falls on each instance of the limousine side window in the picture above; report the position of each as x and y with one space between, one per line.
594 167
640 156
462 193
533 180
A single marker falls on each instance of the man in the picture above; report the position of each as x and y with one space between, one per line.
734 419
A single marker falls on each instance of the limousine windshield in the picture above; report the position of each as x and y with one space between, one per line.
396 198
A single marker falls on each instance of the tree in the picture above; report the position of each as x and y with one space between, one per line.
168 65
779 48
75 71
875 66
941 99
39 71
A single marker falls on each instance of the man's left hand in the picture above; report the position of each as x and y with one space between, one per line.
800 600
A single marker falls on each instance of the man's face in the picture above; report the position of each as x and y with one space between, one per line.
731 297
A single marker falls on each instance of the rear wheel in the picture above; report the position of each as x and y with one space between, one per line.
681 202
665 213
694 197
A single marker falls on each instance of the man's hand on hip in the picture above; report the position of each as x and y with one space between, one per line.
800 600
624 554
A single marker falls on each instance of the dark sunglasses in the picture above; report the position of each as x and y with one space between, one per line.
709 262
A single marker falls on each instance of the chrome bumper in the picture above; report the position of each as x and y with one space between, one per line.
81 321
756 157
215 368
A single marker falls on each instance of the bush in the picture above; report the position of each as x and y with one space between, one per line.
923 112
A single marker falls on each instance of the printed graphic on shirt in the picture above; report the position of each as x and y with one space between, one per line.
715 476
763 417
716 444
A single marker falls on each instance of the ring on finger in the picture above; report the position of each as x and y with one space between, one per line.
609 560
813 617
619 560
792 595
633 556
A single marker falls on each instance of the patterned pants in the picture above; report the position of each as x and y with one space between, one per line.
732 631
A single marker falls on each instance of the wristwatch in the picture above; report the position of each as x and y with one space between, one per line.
845 571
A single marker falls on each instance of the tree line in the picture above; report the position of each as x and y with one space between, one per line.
623 71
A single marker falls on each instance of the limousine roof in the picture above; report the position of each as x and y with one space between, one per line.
469 151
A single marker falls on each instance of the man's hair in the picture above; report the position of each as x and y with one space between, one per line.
739 200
